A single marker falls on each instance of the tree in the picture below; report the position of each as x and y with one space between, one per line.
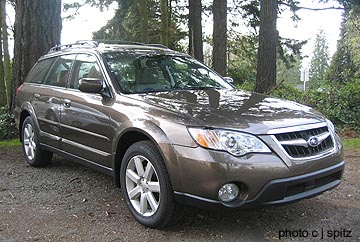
242 57
144 21
345 64
268 39
353 5
288 50
7 65
320 59
37 29
288 72
125 23
220 36
2 79
195 30
129 23
164 6
5 68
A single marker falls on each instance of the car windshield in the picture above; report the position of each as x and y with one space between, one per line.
156 73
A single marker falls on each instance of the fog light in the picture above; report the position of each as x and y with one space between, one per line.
228 192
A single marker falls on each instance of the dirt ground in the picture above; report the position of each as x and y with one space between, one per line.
68 202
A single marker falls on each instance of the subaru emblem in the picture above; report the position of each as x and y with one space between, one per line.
313 141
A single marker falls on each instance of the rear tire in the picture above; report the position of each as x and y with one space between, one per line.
146 186
33 153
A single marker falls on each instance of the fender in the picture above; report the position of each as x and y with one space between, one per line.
26 106
154 133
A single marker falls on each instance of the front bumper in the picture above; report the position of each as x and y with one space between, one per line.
264 179
279 191
299 187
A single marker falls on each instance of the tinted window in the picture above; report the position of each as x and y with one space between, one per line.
38 73
85 66
60 71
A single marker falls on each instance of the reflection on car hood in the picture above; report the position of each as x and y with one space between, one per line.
231 109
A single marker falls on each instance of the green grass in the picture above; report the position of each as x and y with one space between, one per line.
10 143
351 144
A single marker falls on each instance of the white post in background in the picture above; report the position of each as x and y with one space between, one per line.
305 76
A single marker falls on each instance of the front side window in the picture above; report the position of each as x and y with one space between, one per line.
146 73
85 66
60 71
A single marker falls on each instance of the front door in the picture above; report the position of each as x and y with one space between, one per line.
85 116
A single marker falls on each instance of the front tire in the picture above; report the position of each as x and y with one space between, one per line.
146 186
33 153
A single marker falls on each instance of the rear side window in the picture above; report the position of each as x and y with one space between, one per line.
60 71
38 72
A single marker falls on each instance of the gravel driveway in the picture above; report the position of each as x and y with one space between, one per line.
68 202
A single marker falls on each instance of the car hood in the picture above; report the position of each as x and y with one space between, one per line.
230 109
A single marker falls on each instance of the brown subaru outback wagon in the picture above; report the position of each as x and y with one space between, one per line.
172 131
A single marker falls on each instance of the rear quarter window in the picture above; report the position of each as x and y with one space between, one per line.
39 71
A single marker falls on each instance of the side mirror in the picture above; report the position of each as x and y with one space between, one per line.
228 79
91 85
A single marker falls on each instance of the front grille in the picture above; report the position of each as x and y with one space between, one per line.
296 143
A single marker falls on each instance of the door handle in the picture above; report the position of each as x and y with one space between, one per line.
67 103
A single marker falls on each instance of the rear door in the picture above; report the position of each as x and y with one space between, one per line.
46 97
85 116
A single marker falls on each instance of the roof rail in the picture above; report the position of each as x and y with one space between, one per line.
118 42
159 45
125 42
95 43
88 43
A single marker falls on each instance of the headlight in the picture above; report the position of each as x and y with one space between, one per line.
337 138
235 143
330 125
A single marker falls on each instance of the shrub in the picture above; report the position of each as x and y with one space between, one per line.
289 92
8 128
338 102
248 86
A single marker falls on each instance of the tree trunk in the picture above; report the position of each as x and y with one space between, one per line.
220 36
164 22
195 30
37 28
268 38
7 65
3 98
144 21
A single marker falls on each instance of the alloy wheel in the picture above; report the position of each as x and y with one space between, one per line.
142 185
29 141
